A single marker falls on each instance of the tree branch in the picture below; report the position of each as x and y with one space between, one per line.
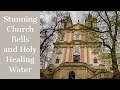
54 30
89 28
116 26
104 44
46 30
107 18
109 26
41 52
103 18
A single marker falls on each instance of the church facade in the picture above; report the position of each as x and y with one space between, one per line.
77 53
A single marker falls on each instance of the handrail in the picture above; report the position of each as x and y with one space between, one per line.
76 64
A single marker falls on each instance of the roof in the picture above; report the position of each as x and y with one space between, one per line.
81 25
91 19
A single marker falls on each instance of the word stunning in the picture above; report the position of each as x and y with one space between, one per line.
25 19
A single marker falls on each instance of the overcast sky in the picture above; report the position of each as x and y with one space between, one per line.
75 16
78 15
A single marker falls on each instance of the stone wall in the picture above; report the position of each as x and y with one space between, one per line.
82 71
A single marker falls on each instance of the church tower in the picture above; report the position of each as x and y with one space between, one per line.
90 21
76 44
67 22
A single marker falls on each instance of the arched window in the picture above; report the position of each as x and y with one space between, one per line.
76 49
62 36
76 58
71 75
57 60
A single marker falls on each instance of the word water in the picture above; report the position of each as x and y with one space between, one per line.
19 69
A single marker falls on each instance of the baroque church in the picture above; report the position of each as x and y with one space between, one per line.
77 53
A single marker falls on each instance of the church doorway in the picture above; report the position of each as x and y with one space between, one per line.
71 75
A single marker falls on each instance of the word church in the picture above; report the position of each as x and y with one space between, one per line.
77 53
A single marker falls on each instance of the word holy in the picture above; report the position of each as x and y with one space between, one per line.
24 49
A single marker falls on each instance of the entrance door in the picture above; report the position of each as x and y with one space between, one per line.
71 75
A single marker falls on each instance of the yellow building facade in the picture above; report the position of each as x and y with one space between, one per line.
77 53
73 43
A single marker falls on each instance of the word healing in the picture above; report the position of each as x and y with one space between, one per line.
21 59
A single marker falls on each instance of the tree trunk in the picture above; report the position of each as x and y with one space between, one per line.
116 73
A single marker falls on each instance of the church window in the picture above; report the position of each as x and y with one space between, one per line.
76 49
71 75
95 60
57 60
62 37
76 58
77 37
65 24
118 61
91 24
88 24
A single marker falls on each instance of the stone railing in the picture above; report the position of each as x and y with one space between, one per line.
78 64
102 75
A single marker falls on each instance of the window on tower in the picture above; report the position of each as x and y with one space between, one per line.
77 37
62 37
95 60
88 24
57 60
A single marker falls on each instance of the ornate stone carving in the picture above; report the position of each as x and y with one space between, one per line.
58 52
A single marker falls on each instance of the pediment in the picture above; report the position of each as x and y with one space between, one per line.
77 26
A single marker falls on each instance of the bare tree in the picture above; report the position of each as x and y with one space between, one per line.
48 32
109 28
